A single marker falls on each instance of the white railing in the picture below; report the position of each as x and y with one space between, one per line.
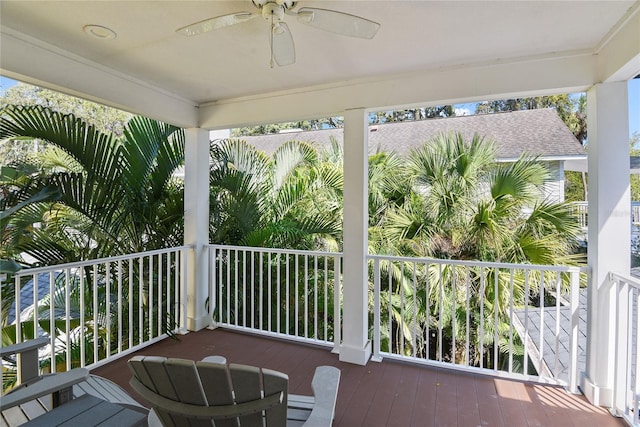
98 310
289 294
479 316
626 387
580 210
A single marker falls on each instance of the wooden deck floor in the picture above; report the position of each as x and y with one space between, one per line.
389 393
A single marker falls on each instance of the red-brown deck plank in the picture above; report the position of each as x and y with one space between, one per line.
388 393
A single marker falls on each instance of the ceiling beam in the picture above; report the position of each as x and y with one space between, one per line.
36 62
560 73
619 52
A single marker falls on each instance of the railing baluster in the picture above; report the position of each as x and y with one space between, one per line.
159 287
390 305
427 299
297 298
481 335
244 288
511 297
67 323
52 323
34 295
253 289
306 296
150 296
227 286
235 286
454 293
261 291
131 328
140 308
402 304
18 294
415 312
269 292
287 293
575 330
467 282
556 363
496 310
541 324
119 305
376 310
96 333
526 321
82 319
220 287
315 297
337 333
278 296
107 309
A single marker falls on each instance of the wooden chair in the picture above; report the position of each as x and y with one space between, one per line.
184 392
36 394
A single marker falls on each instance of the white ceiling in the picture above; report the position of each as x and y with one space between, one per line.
232 63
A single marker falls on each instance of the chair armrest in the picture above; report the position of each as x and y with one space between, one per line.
24 347
325 392
46 385
27 358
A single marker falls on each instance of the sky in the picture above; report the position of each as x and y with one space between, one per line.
468 109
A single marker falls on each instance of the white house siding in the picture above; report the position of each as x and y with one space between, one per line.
554 189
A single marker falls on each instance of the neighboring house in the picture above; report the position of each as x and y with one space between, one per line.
538 133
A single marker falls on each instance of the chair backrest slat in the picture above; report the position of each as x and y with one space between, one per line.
217 387
247 386
185 381
274 381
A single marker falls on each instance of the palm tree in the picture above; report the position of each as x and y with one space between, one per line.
91 194
465 206
113 195
272 202
287 200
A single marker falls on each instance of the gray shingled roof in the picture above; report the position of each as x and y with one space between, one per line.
534 132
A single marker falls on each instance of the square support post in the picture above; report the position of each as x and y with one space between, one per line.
609 234
355 347
196 225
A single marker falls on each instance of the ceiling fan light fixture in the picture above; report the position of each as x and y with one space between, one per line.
273 11
278 29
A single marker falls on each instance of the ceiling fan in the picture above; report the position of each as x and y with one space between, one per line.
280 39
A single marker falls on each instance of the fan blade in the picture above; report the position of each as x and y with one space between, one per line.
215 23
284 52
338 22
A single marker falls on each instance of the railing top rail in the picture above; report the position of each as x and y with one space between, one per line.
632 281
48 268
278 250
558 268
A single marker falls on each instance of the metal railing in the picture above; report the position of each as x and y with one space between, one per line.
626 387
94 311
479 316
289 294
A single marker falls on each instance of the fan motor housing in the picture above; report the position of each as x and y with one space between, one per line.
286 4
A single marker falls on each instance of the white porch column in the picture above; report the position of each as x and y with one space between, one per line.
609 229
355 347
196 225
